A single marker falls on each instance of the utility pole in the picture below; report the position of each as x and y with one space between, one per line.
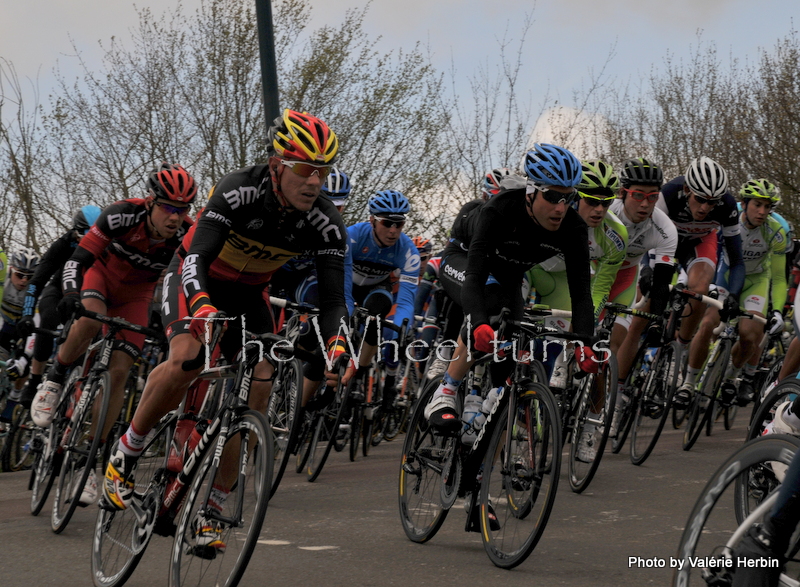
269 69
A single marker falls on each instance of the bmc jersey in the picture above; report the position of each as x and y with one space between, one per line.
243 235
657 234
119 240
373 264
51 266
502 239
674 202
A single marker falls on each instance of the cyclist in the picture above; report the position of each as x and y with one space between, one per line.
505 237
492 180
700 205
764 247
113 271
608 239
380 247
256 219
45 288
22 265
649 229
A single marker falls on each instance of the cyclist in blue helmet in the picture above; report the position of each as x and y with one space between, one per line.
47 293
380 248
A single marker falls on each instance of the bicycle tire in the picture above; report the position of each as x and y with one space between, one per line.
729 416
679 414
425 453
784 391
396 414
718 409
18 454
705 394
249 436
705 529
47 463
120 537
282 414
304 437
356 418
652 409
629 408
581 473
521 482
327 429
69 481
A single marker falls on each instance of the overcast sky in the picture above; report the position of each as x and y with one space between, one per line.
568 38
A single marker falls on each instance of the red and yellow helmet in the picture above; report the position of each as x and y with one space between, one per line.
300 136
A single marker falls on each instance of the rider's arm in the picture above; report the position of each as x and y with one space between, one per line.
614 244
3 272
488 227
779 286
409 277
733 245
576 256
348 275
664 258
330 261
53 259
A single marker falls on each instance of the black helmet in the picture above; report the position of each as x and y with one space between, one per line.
640 171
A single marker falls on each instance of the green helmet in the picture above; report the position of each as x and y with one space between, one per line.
598 178
762 189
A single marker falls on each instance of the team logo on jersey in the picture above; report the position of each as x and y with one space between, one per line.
322 223
241 196
255 224
365 250
756 241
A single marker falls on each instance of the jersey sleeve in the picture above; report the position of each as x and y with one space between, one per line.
409 278
576 256
487 227
615 244
778 286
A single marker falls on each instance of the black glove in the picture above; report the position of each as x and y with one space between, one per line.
730 307
645 280
17 369
69 305
25 327
654 336
776 323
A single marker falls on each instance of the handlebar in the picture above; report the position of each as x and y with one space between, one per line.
713 302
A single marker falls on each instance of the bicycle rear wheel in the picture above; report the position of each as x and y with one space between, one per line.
652 409
121 536
520 476
580 472
702 406
355 418
249 453
425 456
303 446
18 453
282 414
80 452
711 524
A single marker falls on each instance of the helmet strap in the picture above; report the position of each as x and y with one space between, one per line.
276 172
150 225
375 237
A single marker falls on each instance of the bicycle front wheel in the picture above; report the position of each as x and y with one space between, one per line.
121 536
326 433
80 451
711 525
425 456
241 461
520 476
702 406
653 407
282 415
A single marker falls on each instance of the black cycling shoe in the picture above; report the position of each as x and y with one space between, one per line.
727 393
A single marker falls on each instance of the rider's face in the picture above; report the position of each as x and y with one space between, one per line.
757 210
168 217
299 192
548 215
640 201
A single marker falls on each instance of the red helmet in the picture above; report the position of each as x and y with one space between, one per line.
172 182
424 245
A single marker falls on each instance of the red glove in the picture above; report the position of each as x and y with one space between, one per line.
337 346
197 326
586 359
484 335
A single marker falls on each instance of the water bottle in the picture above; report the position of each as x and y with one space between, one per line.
649 355
472 407
486 408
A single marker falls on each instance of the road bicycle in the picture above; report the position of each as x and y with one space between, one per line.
740 493
508 476
234 448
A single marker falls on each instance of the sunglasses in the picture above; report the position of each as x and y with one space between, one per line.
22 275
308 169
642 196
390 223
553 197
170 209
701 200
594 201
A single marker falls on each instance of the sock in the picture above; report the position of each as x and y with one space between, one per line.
749 370
691 375
733 373
684 343
132 442
58 371
447 386
34 380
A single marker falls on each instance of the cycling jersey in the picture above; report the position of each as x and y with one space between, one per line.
607 246
502 239
373 264
657 234
243 235
723 217
120 242
11 307
51 266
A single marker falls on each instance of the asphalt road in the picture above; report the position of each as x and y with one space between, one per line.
345 529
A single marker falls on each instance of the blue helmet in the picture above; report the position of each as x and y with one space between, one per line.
337 187
550 165
388 202
85 218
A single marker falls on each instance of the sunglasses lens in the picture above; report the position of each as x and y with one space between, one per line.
307 169
555 197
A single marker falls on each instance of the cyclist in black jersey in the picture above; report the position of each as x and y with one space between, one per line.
256 219
505 237
45 289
